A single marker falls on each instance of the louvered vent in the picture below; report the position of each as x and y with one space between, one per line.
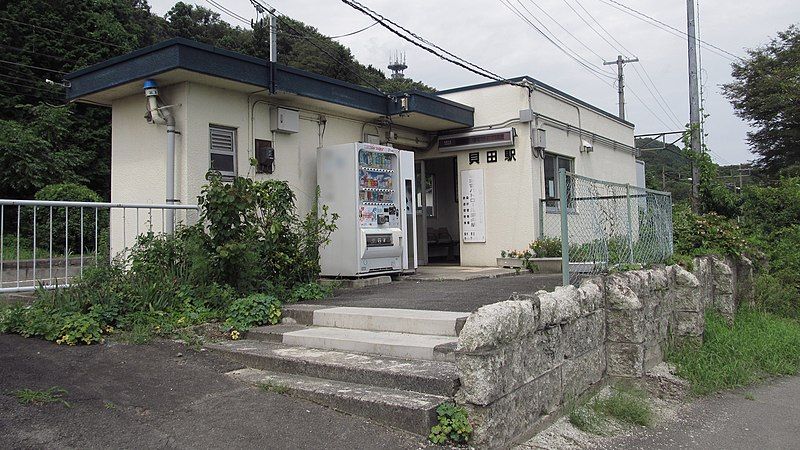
223 149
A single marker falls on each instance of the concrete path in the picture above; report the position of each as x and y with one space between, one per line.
447 295
162 395
729 421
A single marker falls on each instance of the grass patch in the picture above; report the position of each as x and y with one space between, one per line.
626 405
758 345
586 419
272 387
33 397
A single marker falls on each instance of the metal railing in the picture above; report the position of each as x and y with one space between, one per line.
606 226
47 244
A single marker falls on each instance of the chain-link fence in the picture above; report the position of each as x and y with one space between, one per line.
605 226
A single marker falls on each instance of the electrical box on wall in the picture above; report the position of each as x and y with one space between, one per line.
285 120
265 156
539 138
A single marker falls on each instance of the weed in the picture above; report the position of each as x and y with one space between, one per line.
272 387
749 396
758 344
54 394
626 405
586 419
109 405
453 425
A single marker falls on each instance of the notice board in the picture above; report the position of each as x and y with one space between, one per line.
473 205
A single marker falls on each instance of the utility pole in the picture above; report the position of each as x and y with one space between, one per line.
273 36
694 103
273 28
621 81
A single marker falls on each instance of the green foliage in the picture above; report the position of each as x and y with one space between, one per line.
627 405
586 419
66 192
547 247
776 295
46 144
251 311
768 209
54 394
766 93
255 233
759 344
453 425
309 292
697 235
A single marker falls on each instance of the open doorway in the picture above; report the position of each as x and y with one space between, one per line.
437 210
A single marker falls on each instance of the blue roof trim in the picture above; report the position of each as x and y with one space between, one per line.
180 53
546 87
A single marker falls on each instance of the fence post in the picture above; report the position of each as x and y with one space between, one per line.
630 223
541 219
562 193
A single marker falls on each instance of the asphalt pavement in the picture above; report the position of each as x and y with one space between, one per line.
768 419
162 395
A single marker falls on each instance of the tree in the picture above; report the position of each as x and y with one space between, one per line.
766 93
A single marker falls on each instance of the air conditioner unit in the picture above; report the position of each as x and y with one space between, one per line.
539 139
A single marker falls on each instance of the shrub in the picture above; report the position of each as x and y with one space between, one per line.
547 247
256 234
697 235
453 425
253 310
768 209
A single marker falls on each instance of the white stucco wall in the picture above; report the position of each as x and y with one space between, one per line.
513 189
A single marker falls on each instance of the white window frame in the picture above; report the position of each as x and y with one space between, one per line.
212 151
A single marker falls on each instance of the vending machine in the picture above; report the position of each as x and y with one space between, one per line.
371 189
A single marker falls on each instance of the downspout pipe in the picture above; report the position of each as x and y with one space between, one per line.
160 114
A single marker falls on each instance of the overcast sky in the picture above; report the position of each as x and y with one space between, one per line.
487 33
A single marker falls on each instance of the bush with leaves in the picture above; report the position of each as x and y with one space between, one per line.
252 311
453 425
708 234
546 247
256 234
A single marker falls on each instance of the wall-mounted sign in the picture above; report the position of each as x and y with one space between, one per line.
473 214
499 137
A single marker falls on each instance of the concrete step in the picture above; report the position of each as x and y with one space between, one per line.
411 411
439 323
384 343
431 377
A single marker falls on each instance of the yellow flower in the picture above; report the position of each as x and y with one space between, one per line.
234 335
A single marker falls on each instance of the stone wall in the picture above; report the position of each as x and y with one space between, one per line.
522 359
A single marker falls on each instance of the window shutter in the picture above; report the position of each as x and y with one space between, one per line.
222 140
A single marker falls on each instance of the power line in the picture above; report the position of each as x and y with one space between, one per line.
622 49
27 80
29 86
648 108
32 67
228 12
453 59
307 36
656 98
354 32
5 19
30 52
600 57
666 27
594 71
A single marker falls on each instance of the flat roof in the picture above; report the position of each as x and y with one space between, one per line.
117 77
538 84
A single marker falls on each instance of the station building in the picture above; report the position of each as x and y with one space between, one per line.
485 155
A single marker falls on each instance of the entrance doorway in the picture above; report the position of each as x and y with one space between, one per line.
438 232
